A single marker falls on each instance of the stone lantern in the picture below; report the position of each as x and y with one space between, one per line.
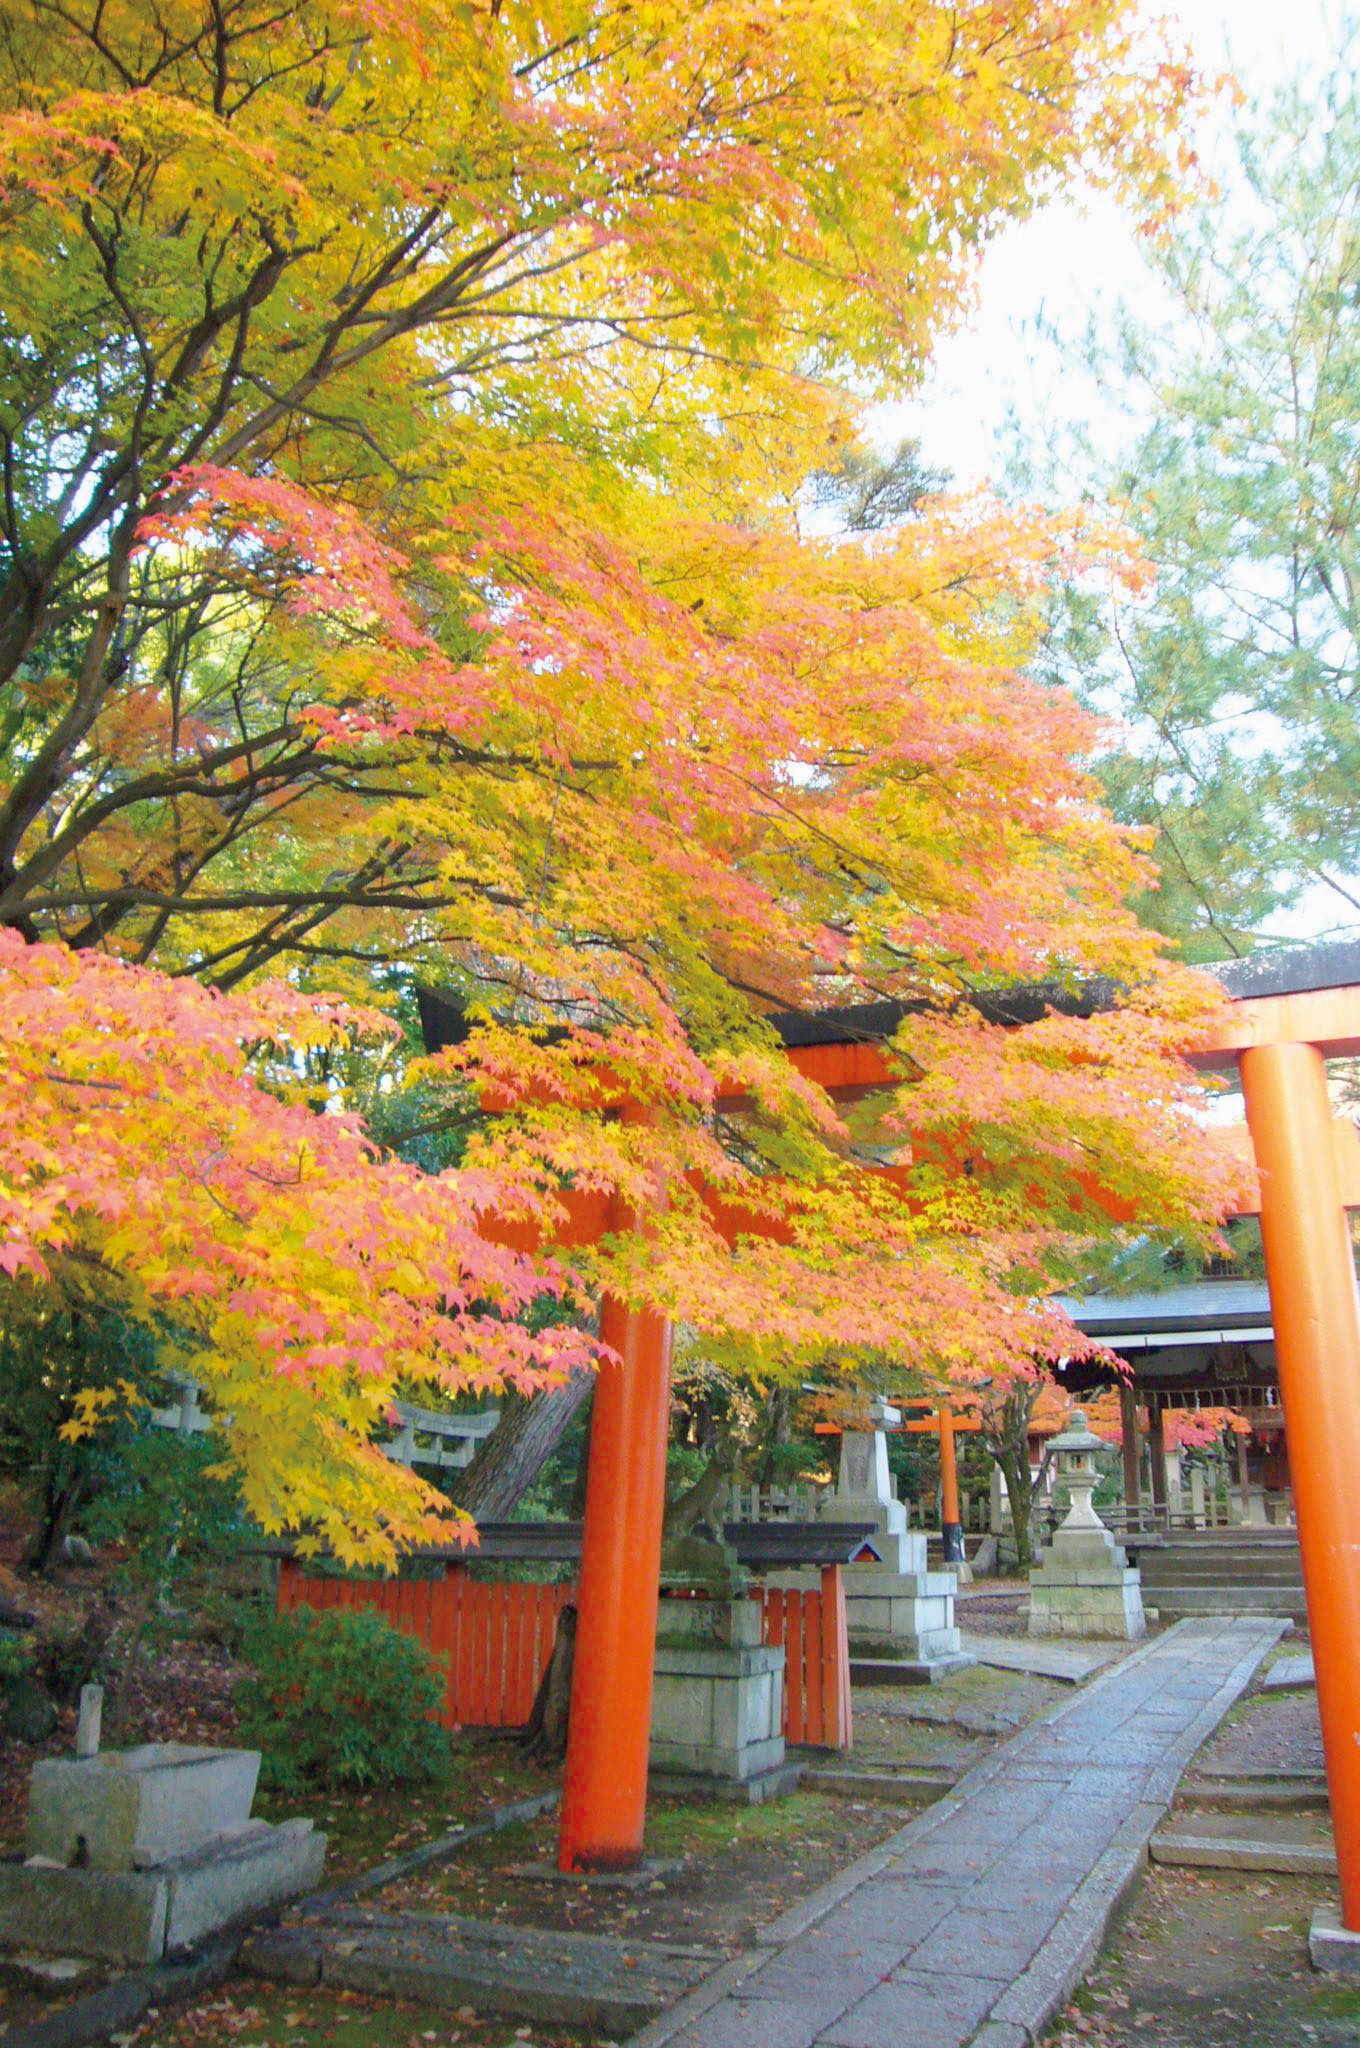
1074 1452
1083 1584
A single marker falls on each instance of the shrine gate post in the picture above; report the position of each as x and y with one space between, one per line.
1310 1267
604 1796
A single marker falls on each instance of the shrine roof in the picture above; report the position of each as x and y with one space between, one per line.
1200 1310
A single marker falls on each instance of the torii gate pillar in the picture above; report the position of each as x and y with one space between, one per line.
604 1797
1311 1271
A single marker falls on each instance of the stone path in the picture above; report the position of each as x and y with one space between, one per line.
1071 1663
976 1921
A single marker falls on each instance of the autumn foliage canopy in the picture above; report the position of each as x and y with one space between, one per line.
405 413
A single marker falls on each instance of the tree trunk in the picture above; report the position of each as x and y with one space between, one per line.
54 1519
577 1510
518 1448
544 1739
1015 1471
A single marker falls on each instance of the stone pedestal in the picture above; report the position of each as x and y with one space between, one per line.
895 1608
135 1854
718 1694
1084 1585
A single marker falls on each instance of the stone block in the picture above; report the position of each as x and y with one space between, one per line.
682 1711
1332 1946
239 1876
717 1712
118 1917
715 1624
1086 1602
132 1809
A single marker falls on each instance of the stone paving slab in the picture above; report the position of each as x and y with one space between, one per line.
1069 1663
1287 1672
975 1922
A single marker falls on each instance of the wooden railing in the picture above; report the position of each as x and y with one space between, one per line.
496 1639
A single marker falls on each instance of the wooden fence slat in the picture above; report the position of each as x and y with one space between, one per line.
519 1634
444 1635
520 1696
480 1617
516 1605
835 1685
408 1607
467 1629
843 1661
497 1662
793 1666
814 1716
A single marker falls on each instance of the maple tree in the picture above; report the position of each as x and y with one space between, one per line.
404 418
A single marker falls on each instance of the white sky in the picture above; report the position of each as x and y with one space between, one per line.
1075 260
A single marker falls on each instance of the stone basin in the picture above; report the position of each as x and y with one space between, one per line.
133 1809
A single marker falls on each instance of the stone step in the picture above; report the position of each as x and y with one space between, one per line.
1213 1571
918 1787
906 1670
608 1985
1246 1851
1178 1601
1282 1796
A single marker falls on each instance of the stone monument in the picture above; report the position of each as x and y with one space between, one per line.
135 1854
897 1611
1083 1584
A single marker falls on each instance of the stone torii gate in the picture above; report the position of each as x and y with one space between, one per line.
1290 1013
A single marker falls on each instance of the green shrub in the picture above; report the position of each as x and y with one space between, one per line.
341 1699
16 1656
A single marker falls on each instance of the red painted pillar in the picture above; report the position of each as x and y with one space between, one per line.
951 1524
604 1799
1316 1312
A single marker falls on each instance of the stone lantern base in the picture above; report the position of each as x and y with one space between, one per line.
718 1693
1084 1585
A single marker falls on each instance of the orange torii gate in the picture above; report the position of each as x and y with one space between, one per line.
1290 1013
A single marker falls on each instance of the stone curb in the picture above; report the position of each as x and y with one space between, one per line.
121 2004
1025 2008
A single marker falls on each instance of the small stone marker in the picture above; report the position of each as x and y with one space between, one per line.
91 1714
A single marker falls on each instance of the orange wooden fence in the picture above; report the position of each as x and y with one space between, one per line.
811 1626
497 1640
